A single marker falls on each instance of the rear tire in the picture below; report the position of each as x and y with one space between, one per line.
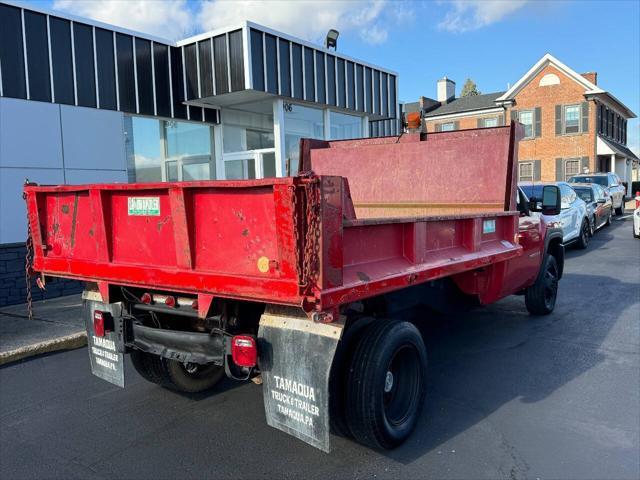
583 239
386 384
174 375
608 222
620 210
339 375
540 298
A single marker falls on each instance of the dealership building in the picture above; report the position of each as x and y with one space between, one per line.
86 102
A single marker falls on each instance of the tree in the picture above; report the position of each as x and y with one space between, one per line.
469 89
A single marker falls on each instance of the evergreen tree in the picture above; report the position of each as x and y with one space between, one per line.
470 88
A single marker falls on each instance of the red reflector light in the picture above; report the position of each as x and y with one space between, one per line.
145 298
170 301
244 351
194 304
98 323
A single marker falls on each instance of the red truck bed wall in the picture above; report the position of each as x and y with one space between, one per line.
442 173
251 239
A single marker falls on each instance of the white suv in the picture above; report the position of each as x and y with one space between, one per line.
573 217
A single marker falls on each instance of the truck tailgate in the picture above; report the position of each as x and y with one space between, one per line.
145 234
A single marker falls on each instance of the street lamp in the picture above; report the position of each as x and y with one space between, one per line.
332 39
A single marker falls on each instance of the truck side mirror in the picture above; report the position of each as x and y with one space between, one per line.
551 200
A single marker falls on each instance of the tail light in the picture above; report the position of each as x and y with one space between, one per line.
170 301
98 323
244 351
146 298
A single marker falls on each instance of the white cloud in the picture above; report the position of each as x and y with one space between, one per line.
467 15
170 19
308 19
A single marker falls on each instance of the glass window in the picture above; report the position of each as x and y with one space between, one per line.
567 194
526 172
585 194
240 169
269 165
300 122
171 168
186 139
571 168
447 127
143 149
190 145
244 131
490 122
160 150
525 117
571 118
344 126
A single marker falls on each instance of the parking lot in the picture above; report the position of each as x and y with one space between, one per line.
510 396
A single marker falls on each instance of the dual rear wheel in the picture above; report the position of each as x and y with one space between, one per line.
174 375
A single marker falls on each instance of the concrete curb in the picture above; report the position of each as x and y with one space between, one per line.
68 342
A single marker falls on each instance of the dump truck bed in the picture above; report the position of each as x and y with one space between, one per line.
365 217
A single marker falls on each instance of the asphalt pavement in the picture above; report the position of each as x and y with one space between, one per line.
510 396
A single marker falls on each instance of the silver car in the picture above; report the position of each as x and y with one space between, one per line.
573 216
610 182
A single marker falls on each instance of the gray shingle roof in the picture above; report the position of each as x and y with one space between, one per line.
466 104
619 149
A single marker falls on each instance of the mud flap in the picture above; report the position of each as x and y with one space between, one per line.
295 360
106 353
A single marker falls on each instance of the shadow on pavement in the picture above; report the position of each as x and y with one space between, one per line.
481 361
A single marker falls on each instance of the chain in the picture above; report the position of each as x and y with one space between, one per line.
296 231
312 236
28 262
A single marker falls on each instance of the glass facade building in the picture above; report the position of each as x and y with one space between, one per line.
86 102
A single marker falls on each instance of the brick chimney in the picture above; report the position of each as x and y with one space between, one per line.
591 76
446 90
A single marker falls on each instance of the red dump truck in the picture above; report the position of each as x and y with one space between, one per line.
303 280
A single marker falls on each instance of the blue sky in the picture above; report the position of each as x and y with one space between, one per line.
494 42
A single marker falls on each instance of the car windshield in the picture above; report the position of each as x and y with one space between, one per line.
584 194
600 180
532 191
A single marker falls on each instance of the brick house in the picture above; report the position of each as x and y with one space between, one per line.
571 124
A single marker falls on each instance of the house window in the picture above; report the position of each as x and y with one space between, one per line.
447 127
168 150
571 168
526 119
490 122
526 173
571 118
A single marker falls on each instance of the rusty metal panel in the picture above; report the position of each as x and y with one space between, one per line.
446 173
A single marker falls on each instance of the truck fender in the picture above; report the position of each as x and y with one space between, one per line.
554 246
295 359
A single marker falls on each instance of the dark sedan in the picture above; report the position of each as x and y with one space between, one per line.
599 204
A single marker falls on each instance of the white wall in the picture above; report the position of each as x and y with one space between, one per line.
54 144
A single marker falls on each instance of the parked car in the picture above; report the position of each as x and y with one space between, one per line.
599 206
611 182
573 215
636 223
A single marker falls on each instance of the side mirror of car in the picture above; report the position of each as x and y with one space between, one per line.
552 200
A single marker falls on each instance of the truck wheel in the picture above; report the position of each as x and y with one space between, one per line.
540 298
386 384
339 375
174 375
583 239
